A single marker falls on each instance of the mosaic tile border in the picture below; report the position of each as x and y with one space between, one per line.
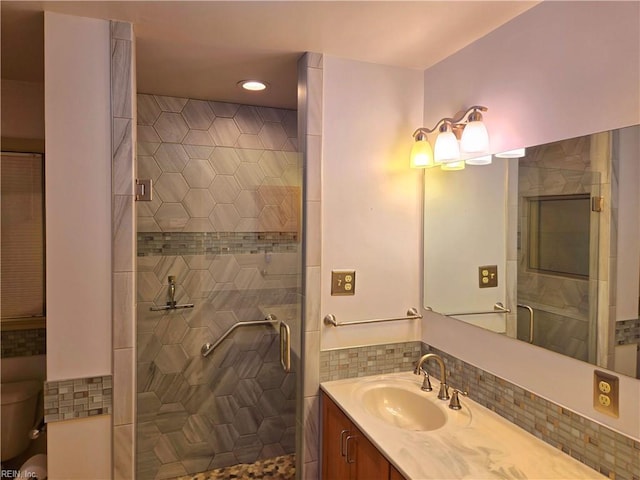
78 398
23 343
200 243
368 360
628 332
606 451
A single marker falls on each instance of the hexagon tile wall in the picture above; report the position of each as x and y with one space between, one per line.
225 221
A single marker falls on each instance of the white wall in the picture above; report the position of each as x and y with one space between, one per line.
77 452
371 200
78 225
475 221
561 69
22 109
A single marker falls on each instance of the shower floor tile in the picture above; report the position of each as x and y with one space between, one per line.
278 468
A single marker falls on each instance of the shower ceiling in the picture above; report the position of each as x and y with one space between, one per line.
202 49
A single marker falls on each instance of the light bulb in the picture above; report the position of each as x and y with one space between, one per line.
483 160
475 138
450 166
421 154
446 148
253 85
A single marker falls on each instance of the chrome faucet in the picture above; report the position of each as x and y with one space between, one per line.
443 394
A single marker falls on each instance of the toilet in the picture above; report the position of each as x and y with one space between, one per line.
19 402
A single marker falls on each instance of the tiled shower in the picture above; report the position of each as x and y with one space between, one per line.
224 221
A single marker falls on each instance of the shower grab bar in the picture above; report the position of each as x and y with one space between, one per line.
285 347
330 319
498 307
207 348
522 305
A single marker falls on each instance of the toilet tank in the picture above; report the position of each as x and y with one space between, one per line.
18 411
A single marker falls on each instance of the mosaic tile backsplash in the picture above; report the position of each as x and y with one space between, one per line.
606 451
369 360
23 343
78 398
628 332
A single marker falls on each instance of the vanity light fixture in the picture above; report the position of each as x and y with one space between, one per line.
421 152
450 166
516 153
483 160
252 85
446 148
475 138
466 134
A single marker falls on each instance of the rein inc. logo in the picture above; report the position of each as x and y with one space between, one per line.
17 474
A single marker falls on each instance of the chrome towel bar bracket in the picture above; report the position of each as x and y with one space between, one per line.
330 319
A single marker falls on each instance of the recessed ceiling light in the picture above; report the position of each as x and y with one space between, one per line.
253 85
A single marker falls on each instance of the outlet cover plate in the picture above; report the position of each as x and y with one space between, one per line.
343 282
488 276
606 393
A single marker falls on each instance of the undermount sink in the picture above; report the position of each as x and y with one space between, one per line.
403 408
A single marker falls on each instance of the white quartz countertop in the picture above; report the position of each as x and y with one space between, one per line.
475 443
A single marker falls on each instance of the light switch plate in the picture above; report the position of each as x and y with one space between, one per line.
343 282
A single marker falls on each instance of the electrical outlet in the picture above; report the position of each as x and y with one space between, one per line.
605 393
604 386
343 282
488 276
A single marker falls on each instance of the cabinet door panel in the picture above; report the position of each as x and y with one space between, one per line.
394 474
369 462
336 426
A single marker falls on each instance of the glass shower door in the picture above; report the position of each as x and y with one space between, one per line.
218 245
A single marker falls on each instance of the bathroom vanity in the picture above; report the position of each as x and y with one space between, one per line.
346 451
385 427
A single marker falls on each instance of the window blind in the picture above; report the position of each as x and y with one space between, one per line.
22 236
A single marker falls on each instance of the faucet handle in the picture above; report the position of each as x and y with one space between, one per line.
454 403
426 383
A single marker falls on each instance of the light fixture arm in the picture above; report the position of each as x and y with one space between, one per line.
474 111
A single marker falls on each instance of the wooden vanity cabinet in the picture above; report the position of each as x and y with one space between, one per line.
395 474
346 453
335 428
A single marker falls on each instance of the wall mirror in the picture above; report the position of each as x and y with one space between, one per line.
561 226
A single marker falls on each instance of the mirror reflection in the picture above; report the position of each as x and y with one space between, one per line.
561 226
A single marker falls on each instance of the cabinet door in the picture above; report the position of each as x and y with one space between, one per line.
335 429
394 474
369 463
